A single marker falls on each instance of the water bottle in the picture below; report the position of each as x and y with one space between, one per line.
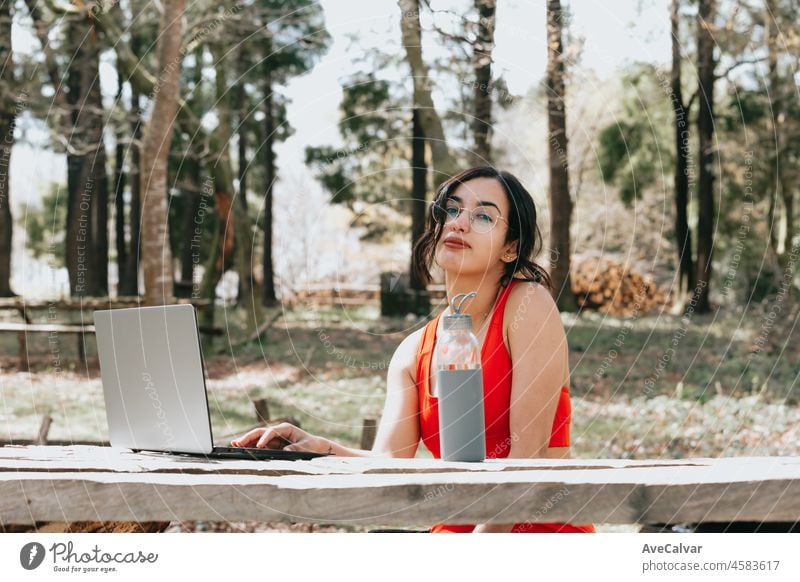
459 383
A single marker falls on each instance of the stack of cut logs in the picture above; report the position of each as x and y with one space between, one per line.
613 288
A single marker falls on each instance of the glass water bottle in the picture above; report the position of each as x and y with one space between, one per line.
459 383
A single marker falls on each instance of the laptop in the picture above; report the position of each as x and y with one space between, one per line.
154 385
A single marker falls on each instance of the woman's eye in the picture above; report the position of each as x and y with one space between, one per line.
452 211
483 217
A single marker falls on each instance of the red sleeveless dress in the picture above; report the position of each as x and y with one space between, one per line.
497 365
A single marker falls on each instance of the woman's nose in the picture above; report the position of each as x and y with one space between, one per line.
462 222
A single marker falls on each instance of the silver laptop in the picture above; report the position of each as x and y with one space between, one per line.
154 385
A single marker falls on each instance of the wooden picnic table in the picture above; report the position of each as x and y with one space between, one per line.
84 483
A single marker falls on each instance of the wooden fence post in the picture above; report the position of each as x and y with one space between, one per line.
262 410
23 351
369 428
44 428
394 294
81 351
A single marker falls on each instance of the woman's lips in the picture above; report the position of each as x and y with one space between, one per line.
454 244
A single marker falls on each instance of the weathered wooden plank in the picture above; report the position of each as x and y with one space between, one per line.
85 303
18 327
91 458
93 483
78 458
52 442
45 327
385 498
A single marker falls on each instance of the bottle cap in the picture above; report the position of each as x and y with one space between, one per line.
458 320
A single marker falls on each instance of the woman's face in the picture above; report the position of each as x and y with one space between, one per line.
472 248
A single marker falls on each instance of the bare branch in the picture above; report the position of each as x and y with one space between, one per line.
74 147
691 101
461 17
739 64
451 36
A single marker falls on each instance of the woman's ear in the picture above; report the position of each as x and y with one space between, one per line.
510 252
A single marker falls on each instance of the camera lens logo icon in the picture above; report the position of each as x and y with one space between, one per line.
31 555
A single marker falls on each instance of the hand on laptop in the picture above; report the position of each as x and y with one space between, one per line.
283 436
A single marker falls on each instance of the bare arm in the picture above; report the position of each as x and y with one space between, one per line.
398 432
537 345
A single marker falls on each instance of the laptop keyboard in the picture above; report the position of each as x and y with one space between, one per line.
252 453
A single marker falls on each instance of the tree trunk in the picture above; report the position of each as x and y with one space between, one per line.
198 195
6 219
87 228
788 208
129 277
268 295
190 245
100 206
130 285
7 121
773 176
482 94
241 107
705 129
74 167
444 166
779 186
119 200
560 198
241 112
419 179
156 252
119 216
683 236
211 277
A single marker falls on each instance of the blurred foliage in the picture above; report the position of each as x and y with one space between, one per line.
635 151
45 226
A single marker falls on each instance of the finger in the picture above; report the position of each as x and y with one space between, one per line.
248 439
275 443
284 431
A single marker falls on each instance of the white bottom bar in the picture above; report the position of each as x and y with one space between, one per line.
389 556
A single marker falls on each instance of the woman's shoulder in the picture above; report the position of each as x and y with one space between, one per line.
528 302
532 317
525 294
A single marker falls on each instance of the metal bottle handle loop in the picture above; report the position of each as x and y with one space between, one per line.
464 296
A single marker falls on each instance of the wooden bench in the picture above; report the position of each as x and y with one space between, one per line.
77 484
334 295
84 306
23 329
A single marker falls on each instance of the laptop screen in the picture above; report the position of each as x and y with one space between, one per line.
153 382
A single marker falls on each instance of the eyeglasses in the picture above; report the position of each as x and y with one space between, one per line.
481 219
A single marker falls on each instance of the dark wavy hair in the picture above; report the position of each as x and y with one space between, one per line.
522 227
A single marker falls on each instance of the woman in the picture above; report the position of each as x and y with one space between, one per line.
481 231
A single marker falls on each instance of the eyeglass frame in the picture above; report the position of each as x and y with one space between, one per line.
461 209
